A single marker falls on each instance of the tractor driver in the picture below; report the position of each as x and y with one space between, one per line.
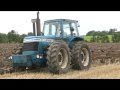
72 30
58 31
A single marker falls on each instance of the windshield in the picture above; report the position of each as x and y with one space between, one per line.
70 29
52 28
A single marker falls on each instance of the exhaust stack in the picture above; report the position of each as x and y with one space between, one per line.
34 29
36 26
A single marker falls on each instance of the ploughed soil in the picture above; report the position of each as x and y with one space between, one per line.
101 54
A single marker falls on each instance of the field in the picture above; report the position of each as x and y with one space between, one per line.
89 38
111 71
105 64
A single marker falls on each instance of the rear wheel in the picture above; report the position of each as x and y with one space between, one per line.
81 57
58 56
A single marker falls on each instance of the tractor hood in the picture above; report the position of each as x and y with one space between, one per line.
36 44
38 39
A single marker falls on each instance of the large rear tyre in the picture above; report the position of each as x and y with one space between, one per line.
81 57
58 56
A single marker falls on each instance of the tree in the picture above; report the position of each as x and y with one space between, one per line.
3 38
22 37
112 31
13 36
116 37
30 34
98 36
90 33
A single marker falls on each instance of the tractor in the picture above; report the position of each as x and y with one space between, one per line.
59 47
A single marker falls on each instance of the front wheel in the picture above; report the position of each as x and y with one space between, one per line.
81 57
58 56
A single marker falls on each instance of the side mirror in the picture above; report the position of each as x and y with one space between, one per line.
78 25
42 33
74 34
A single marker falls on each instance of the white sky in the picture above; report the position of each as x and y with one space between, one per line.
20 21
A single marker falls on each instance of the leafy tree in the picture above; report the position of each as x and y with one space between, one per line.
3 38
112 31
90 33
30 34
13 36
22 37
116 37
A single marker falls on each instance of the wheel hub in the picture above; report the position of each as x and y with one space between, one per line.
60 58
63 58
85 56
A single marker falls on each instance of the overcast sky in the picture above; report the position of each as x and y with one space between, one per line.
20 21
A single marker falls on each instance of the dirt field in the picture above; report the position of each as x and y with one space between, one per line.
111 71
105 53
6 50
106 58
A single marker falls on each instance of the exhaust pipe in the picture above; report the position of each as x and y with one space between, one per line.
38 24
34 29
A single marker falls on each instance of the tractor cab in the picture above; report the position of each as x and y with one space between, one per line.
61 28
64 29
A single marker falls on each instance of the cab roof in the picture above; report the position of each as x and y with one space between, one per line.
58 20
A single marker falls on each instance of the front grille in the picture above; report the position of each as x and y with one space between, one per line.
32 46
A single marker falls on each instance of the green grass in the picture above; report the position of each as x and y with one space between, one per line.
88 38
110 38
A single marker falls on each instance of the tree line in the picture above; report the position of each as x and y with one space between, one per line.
104 36
92 36
13 37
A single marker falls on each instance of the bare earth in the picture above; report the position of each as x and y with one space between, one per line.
111 71
105 65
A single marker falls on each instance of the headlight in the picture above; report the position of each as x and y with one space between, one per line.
41 56
10 57
37 56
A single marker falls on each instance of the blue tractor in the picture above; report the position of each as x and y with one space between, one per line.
58 46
